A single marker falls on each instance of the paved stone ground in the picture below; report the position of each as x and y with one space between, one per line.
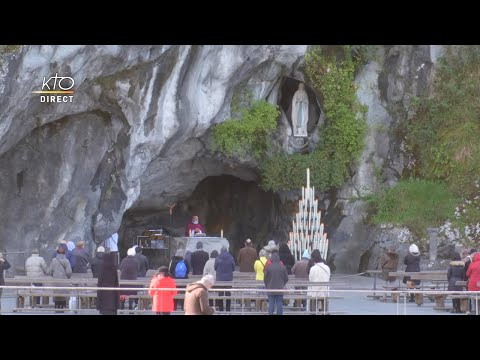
350 304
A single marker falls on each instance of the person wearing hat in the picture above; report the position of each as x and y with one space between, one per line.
196 297
247 257
412 262
300 267
198 259
4 265
271 246
81 258
68 253
97 261
128 271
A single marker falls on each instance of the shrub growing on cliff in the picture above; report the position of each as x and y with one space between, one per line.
416 204
443 136
248 134
342 137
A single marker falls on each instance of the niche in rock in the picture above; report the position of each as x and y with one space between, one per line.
287 90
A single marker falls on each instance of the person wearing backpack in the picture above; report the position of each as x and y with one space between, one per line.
179 268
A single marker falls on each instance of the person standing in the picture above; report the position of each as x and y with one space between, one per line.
271 246
198 259
60 268
473 275
456 272
128 271
108 301
247 257
412 262
97 261
224 266
276 277
142 260
81 258
179 269
196 297
35 266
286 257
112 245
163 299
4 265
389 263
300 267
194 225
209 267
259 265
319 272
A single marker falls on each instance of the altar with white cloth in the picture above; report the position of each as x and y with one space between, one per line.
210 243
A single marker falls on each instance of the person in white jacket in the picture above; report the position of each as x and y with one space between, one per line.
319 272
209 269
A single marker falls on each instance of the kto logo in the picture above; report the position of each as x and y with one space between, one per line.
59 85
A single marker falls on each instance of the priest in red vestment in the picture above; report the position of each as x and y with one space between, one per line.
193 226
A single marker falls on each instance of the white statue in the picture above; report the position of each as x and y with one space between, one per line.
300 111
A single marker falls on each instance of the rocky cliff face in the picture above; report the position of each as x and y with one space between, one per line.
134 136
136 121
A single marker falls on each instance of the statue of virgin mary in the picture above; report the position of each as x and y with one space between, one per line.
300 111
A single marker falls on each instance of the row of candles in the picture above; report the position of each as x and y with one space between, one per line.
307 229
307 221
301 241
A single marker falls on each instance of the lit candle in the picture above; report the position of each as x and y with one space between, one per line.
221 233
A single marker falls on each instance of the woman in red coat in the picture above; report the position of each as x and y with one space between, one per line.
163 299
473 273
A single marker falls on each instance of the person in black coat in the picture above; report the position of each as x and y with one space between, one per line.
198 259
276 277
97 262
128 271
314 255
412 260
456 272
108 301
143 264
286 257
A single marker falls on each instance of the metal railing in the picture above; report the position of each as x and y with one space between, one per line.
243 294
